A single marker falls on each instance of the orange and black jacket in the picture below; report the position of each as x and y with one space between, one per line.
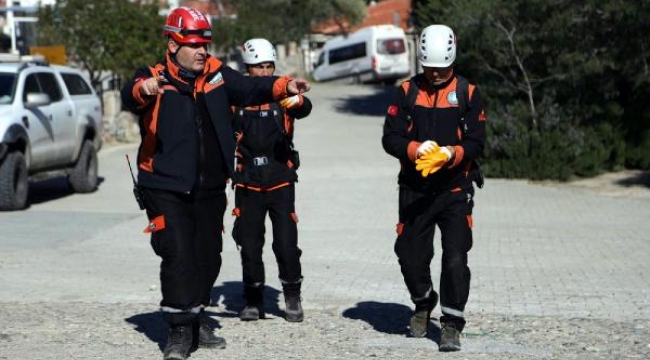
434 116
187 135
265 157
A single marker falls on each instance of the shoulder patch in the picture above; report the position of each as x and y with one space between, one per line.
216 78
452 98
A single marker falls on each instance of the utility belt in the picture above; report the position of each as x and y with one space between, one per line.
263 171
442 181
258 113
258 162
262 161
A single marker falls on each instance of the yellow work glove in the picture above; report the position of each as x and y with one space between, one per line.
432 161
426 147
291 102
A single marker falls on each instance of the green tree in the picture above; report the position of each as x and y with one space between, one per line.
101 36
283 20
568 76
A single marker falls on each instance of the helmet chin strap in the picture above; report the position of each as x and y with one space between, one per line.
444 82
182 71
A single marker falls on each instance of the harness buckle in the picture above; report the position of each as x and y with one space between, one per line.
260 161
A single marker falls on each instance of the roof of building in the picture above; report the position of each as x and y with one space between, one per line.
395 12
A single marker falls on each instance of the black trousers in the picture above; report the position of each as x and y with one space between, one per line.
419 214
190 245
249 229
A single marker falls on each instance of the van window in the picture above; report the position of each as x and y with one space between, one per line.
391 46
321 59
347 53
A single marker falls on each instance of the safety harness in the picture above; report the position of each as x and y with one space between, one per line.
266 162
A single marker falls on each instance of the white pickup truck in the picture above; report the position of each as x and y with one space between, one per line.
50 121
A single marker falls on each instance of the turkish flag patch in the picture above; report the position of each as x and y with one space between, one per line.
481 116
392 110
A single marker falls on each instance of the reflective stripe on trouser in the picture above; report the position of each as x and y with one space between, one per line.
249 229
190 247
419 214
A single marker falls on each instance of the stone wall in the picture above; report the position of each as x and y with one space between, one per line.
119 126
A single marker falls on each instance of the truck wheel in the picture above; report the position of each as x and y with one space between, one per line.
13 182
83 176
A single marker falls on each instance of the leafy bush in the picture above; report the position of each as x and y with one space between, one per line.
566 91
638 155
557 151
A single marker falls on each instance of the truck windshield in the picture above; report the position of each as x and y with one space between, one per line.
7 87
391 46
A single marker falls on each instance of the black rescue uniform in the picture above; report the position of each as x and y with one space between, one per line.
265 183
444 198
184 161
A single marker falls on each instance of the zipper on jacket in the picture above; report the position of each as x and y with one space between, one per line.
201 160
431 134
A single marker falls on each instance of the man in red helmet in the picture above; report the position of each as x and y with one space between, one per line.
184 161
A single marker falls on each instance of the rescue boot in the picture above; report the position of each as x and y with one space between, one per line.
254 309
205 334
179 342
449 338
293 308
421 316
292 301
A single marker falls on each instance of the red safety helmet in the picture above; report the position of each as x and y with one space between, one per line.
188 26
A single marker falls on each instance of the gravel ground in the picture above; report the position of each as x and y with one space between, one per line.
86 331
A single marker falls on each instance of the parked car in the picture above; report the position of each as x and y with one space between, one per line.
371 54
50 122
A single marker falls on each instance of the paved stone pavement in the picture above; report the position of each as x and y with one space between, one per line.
546 257
538 250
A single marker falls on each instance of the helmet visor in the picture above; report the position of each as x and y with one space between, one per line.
203 33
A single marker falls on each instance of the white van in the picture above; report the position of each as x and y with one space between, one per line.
371 54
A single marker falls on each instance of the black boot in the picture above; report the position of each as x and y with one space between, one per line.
292 301
205 334
420 319
293 311
449 338
254 310
179 342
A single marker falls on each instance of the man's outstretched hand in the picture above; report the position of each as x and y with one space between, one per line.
297 86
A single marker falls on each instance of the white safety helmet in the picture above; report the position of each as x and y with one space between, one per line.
437 46
258 51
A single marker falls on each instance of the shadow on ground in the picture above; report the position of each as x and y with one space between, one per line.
151 325
51 189
154 327
231 296
374 104
389 318
640 179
